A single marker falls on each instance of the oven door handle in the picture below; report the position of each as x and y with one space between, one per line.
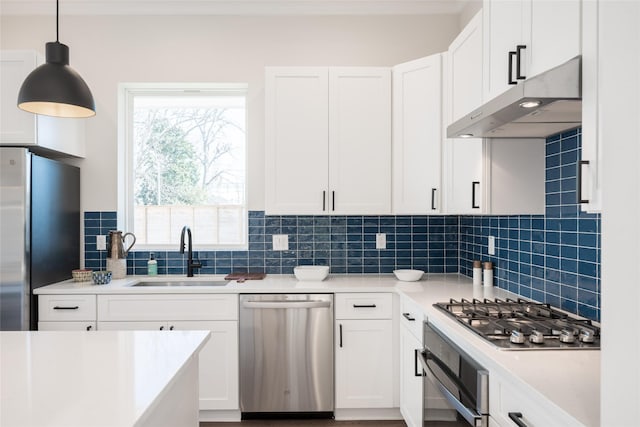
470 415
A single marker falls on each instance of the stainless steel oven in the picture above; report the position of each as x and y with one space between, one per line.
461 380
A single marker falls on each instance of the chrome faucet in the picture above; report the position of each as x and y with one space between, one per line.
191 264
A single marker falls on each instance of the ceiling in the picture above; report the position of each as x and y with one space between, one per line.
233 7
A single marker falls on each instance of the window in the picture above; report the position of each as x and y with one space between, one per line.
185 156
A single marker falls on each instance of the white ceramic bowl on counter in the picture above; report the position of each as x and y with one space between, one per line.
311 272
408 275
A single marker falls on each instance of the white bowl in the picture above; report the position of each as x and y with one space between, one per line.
408 275
311 272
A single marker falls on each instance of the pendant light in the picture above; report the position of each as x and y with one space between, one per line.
54 88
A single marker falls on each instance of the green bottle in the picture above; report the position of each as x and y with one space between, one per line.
152 265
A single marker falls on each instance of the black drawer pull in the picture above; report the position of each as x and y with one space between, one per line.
415 364
171 328
340 335
57 307
364 306
433 199
89 327
408 317
162 328
581 163
516 418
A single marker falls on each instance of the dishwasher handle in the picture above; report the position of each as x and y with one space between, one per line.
286 304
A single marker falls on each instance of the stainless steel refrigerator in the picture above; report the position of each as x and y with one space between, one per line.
39 231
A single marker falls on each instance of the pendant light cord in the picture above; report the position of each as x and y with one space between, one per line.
57 22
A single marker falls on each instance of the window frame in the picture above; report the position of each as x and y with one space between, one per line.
125 174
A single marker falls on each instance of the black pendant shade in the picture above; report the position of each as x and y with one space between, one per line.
54 88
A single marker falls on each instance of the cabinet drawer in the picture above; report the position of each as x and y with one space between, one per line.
412 317
507 398
67 326
66 307
164 307
364 306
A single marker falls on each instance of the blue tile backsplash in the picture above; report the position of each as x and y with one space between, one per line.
553 258
346 244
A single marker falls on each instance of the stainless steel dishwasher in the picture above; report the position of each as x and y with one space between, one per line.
286 355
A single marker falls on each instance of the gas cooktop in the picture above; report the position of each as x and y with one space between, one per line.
523 325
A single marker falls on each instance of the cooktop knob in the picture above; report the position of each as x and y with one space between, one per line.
587 336
536 337
567 336
517 337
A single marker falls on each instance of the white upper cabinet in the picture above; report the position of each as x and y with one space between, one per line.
37 132
328 140
360 140
417 136
523 38
296 140
589 167
465 70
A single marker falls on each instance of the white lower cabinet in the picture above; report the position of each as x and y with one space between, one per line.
217 313
364 364
509 401
411 396
364 356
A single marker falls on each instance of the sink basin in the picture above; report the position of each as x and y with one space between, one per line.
183 283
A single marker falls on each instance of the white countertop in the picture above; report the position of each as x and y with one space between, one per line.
568 378
107 378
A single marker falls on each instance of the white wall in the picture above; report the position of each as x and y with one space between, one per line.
107 50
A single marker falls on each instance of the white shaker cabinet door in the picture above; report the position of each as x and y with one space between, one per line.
296 140
364 364
554 34
417 136
218 363
465 176
465 71
411 393
360 140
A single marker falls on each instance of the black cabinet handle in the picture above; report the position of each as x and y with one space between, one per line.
364 306
519 50
433 199
473 194
89 327
324 200
415 364
162 328
511 81
57 307
333 200
340 335
579 177
171 328
515 417
408 317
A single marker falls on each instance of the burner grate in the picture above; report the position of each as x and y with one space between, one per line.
521 324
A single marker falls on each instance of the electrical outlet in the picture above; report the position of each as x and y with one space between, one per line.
101 242
491 245
381 241
280 242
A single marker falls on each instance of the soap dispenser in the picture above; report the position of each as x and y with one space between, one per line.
152 265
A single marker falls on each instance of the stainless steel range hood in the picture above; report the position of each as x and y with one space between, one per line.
558 92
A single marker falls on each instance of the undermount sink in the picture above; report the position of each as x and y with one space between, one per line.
183 283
